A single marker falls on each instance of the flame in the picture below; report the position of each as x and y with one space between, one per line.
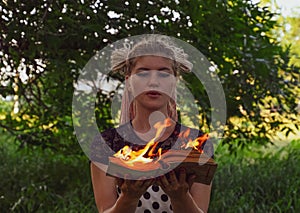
130 157
184 134
197 143
124 153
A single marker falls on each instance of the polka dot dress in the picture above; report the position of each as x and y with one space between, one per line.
154 200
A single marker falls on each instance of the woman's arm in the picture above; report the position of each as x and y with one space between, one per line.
104 188
105 192
201 195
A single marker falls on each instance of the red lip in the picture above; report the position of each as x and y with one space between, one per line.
153 92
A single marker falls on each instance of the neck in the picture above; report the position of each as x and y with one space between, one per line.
144 126
144 121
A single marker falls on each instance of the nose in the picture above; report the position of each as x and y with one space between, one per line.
153 80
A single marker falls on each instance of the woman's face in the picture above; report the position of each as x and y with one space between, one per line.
152 82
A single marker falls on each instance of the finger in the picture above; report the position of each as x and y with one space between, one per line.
126 176
148 183
164 181
148 179
140 182
158 181
119 181
172 177
127 179
182 175
144 178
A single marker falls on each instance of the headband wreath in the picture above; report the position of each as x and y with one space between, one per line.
156 45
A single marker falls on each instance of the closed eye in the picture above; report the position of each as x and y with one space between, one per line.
143 74
164 74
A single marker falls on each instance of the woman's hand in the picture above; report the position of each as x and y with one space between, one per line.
133 189
176 188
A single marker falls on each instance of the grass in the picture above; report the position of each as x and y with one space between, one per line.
258 180
254 180
43 181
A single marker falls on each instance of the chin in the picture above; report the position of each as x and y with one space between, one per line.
155 107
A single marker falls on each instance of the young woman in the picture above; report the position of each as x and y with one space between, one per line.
151 68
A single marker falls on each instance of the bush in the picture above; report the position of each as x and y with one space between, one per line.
257 180
42 181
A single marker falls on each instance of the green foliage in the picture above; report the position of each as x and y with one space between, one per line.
53 40
43 181
257 180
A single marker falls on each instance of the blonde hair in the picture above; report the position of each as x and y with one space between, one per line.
123 60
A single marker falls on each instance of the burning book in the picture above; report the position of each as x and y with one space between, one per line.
148 163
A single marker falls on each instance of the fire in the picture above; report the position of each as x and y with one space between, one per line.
197 143
130 157
184 134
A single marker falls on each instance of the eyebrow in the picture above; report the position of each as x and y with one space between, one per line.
159 69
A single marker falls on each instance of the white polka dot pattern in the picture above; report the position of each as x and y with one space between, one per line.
154 200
